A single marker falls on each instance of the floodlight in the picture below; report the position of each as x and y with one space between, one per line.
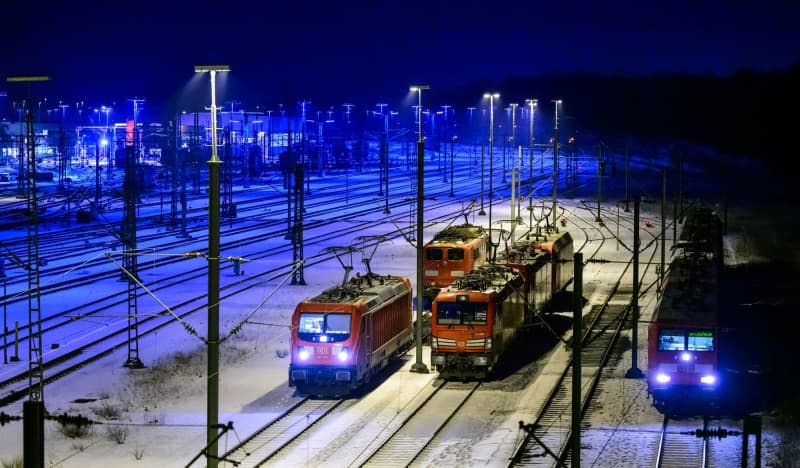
210 68
14 79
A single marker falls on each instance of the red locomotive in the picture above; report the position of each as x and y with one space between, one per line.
348 333
476 320
683 337
450 254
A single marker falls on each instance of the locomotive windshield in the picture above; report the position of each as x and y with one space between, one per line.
461 313
324 328
455 254
701 340
683 340
434 254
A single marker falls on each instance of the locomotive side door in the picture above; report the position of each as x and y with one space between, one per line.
366 331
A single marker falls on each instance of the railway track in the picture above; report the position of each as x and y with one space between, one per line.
259 448
603 326
66 359
679 447
417 431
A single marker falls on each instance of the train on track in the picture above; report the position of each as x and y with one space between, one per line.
348 333
476 321
683 336
451 253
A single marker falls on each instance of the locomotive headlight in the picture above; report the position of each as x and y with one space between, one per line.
434 342
480 361
708 379
686 357
488 343
303 353
662 378
341 352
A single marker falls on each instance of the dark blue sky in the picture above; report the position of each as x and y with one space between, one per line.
362 50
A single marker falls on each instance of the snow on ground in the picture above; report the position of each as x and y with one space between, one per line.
161 409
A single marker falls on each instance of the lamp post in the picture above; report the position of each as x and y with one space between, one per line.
514 203
492 97
212 405
532 103
420 366
557 103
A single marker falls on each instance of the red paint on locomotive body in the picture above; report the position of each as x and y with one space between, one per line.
683 336
346 334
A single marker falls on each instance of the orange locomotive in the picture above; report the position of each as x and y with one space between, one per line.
475 321
346 334
450 254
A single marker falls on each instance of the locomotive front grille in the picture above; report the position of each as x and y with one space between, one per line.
443 342
475 345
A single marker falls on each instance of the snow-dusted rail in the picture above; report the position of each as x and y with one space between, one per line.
551 428
678 446
263 444
414 433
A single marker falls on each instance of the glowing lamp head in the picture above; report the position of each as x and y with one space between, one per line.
343 355
323 338
686 357
708 379
662 378
303 353
104 142
211 68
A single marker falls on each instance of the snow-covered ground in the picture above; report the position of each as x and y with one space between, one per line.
156 416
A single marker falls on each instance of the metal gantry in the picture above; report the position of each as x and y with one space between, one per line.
297 227
35 368
33 410
130 259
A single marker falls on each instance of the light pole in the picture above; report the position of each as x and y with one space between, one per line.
532 103
557 103
420 366
514 203
492 97
212 405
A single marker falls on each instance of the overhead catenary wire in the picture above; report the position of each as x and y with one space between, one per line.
136 280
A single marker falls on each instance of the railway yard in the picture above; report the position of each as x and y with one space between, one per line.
155 416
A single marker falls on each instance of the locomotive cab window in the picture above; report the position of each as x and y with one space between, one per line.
320 327
461 313
671 340
455 254
337 323
701 340
434 254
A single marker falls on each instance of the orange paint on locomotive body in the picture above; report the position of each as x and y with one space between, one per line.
452 253
475 321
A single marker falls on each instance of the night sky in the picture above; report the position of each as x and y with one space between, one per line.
363 51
